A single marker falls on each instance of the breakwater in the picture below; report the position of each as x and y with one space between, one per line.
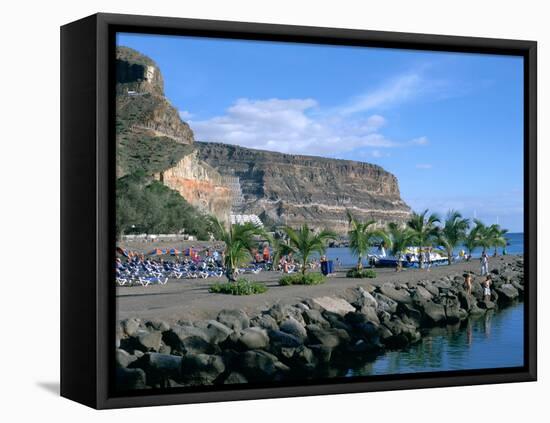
308 339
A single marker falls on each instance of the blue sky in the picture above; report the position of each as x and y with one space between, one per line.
448 125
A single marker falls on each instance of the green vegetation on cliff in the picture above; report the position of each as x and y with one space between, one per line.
148 154
147 206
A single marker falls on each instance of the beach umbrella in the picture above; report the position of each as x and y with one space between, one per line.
174 251
157 252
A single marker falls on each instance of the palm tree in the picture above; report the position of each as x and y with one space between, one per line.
239 242
485 235
280 248
424 229
362 237
399 238
303 242
452 232
471 240
498 238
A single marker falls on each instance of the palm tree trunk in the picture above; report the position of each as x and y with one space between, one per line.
450 256
360 263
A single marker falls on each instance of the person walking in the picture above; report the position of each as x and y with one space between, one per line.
484 264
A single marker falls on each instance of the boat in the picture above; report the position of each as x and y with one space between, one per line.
409 258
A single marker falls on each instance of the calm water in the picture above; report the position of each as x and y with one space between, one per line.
490 341
515 246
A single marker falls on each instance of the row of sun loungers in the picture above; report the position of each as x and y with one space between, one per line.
150 272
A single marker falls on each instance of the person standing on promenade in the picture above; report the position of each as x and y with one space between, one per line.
484 264
428 259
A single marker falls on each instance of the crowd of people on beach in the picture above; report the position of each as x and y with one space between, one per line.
140 269
160 265
157 267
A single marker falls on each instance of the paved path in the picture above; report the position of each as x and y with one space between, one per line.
189 299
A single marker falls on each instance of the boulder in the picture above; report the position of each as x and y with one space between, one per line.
302 357
165 349
400 296
123 359
160 367
442 284
260 365
452 313
201 369
486 305
465 300
333 305
280 339
234 378
370 313
189 339
385 304
366 299
280 312
217 332
293 327
264 321
399 327
254 338
159 325
130 326
322 353
315 317
130 379
149 341
422 293
409 311
234 319
431 288
331 337
507 293
434 313
355 318
337 321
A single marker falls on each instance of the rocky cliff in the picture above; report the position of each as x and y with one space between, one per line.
152 140
293 189
218 178
200 184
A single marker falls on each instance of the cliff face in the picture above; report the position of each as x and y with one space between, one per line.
154 141
140 102
200 185
291 189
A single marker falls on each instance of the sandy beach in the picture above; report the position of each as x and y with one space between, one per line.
189 299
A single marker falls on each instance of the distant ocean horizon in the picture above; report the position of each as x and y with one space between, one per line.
515 246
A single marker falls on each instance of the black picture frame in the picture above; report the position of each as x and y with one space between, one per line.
87 206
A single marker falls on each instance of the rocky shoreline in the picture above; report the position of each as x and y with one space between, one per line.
299 341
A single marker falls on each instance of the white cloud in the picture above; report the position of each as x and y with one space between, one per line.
420 141
292 126
396 91
185 115
301 125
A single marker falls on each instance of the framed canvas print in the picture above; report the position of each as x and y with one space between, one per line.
256 211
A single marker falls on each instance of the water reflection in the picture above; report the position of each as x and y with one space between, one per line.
490 341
